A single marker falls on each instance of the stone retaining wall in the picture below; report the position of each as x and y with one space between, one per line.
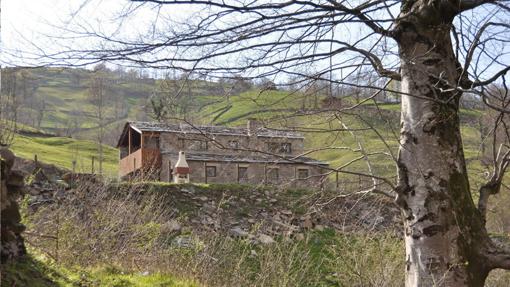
11 187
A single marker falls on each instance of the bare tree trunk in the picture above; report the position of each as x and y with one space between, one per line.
444 234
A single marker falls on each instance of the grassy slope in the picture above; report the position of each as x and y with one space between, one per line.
234 110
386 125
37 271
67 101
61 151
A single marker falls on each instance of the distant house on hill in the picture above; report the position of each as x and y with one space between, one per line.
217 154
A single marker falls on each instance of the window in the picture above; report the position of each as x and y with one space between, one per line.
197 145
233 144
303 173
286 148
273 147
279 147
273 174
170 171
242 173
210 171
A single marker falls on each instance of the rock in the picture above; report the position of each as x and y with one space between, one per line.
203 198
251 220
307 223
286 212
207 220
8 157
11 184
16 179
183 241
319 227
171 226
34 191
59 194
209 208
273 200
238 232
299 236
265 239
253 253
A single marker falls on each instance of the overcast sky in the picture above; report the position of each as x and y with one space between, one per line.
32 19
28 25
41 22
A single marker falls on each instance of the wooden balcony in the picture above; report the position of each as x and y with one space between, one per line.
143 158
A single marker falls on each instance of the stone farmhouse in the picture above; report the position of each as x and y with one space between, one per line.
218 154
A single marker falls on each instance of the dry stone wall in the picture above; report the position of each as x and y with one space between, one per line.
12 187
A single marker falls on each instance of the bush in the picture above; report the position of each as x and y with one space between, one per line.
126 225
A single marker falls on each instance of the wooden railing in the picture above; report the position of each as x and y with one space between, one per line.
141 158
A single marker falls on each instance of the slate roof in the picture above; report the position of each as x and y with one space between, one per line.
194 156
196 129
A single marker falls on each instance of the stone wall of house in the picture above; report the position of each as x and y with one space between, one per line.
257 173
222 144
11 185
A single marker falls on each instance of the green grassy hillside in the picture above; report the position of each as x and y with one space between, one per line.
58 99
325 131
39 271
62 151
69 111
326 138
65 93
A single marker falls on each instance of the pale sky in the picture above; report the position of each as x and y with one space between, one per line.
38 21
44 23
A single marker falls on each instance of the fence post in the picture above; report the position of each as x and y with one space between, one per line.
92 165
57 235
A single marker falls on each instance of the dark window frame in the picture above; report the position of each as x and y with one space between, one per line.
233 144
245 174
306 170
279 147
273 147
211 168
286 147
271 172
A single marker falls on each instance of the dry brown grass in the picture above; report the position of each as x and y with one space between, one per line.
102 224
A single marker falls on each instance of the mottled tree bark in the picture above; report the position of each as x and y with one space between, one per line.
445 236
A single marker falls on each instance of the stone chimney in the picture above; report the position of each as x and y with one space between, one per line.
181 169
253 126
